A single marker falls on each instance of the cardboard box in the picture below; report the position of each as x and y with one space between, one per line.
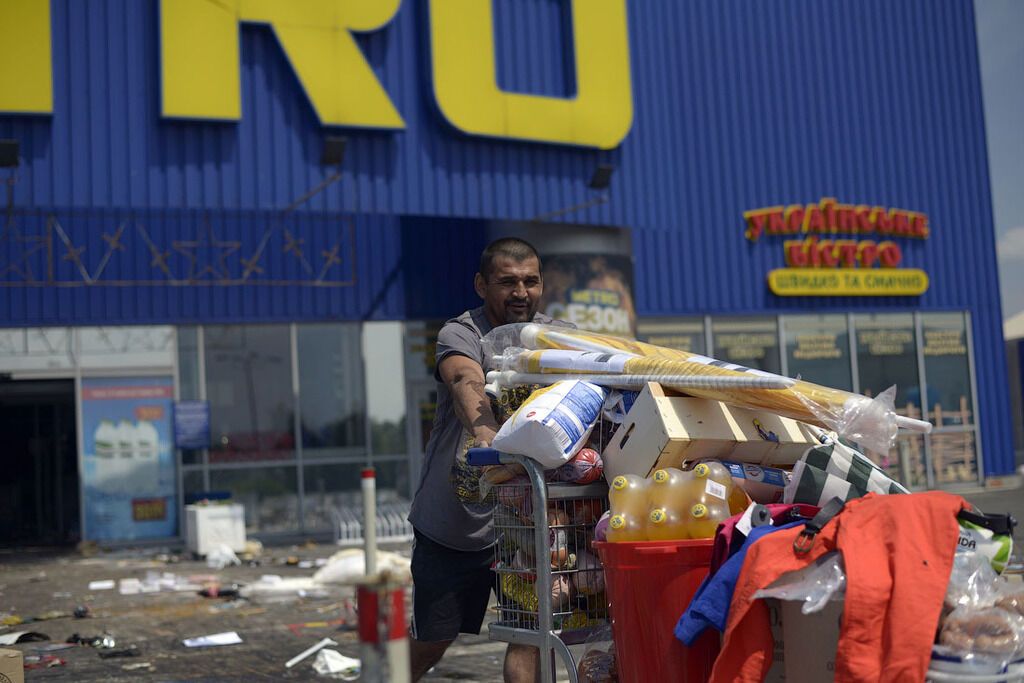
805 644
207 526
667 429
12 666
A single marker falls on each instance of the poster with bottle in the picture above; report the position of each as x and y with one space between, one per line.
128 472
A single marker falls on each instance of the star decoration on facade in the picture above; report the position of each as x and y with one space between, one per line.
159 256
294 245
21 249
251 266
113 244
74 254
207 255
330 258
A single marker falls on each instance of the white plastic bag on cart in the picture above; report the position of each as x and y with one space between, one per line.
553 424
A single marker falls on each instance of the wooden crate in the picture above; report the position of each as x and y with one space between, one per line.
667 429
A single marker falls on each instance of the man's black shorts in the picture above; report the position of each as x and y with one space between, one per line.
451 589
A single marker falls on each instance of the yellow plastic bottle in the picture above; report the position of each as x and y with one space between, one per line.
711 484
628 495
665 524
665 488
703 520
625 527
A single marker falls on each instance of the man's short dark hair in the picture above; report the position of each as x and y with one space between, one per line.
510 247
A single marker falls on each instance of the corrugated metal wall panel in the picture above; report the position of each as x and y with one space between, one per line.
738 105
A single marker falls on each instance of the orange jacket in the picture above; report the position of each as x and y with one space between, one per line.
898 553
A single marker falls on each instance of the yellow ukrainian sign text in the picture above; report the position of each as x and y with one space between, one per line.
26 83
466 85
200 57
848 281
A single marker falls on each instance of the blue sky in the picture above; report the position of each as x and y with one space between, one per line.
1000 27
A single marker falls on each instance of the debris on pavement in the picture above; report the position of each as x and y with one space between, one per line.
221 556
333 664
43 661
218 591
82 612
139 666
103 641
22 637
309 651
214 640
102 585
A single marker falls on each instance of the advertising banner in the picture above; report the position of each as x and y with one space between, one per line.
588 273
128 474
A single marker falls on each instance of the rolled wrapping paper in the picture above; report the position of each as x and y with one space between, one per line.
868 421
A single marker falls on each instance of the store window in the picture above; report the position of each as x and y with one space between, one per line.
331 391
329 490
946 366
751 342
948 402
684 334
269 495
189 380
249 386
818 349
385 387
887 355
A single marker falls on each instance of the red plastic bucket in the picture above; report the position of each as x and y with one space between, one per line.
649 585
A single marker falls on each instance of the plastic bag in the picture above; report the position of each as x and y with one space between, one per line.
991 632
597 665
221 556
1009 596
553 424
972 582
814 585
869 422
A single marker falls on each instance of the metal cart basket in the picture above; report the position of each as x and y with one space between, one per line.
549 584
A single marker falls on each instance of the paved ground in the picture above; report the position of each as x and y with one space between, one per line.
34 582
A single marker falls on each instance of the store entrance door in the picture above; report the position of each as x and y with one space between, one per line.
38 463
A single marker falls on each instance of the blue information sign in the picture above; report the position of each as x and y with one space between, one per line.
192 424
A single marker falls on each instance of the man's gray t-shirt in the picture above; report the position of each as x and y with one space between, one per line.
447 507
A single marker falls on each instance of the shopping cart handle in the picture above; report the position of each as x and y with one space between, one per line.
483 456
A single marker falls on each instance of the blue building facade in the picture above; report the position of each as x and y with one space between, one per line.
122 216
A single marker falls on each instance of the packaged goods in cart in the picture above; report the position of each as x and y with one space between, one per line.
626 527
870 422
553 424
764 485
666 524
628 494
666 487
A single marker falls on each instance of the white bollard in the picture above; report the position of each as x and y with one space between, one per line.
370 520
383 632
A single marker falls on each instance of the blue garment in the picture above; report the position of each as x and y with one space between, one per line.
710 604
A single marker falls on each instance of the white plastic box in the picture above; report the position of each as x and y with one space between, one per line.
207 526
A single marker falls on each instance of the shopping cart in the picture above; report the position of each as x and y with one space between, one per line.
548 582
